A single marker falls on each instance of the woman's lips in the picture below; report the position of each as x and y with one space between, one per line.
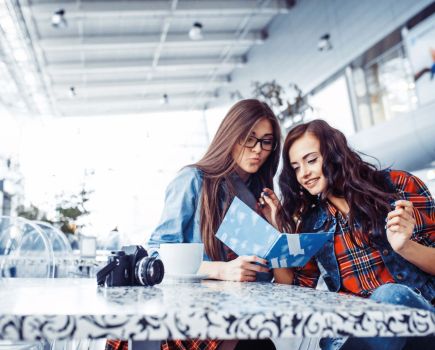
311 183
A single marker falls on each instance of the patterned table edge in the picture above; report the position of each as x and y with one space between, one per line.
214 325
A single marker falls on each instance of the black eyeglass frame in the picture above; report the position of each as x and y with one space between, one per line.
275 144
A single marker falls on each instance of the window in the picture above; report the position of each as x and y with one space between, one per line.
384 88
332 104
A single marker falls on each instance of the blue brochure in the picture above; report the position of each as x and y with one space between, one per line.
247 233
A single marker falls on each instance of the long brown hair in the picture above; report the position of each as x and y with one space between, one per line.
218 164
365 188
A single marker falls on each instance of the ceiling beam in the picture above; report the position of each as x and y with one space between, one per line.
126 100
157 9
82 107
116 89
141 109
141 42
140 66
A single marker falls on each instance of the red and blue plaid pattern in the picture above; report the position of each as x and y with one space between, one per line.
194 344
362 270
116 344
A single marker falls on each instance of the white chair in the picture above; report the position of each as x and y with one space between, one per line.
25 251
59 242
63 253
29 249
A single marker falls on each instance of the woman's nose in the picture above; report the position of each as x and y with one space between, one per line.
305 171
257 148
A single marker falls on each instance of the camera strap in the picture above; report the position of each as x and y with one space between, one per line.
101 275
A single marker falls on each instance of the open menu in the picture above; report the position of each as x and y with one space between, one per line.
247 233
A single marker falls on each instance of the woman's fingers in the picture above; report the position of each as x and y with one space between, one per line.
408 206
250 263
268 197
248 273
402 213
248 279
403 203
268 193
254 267
269 201
398 220
253 258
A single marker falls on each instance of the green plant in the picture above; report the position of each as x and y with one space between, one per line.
70 209
289 105
32 213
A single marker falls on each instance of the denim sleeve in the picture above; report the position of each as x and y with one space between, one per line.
182 196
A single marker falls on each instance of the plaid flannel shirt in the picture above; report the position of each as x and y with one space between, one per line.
194 344
362 270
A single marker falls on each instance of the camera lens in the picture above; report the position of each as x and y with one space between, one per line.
149 271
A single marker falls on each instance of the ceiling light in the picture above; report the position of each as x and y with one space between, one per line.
72 92
324 43
195 33
164 100
58 19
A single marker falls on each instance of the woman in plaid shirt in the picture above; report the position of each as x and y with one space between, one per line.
381 225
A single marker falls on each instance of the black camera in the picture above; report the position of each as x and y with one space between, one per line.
131 266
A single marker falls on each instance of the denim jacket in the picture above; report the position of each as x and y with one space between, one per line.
180 220
403 272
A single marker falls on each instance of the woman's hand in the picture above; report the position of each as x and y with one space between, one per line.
400 225
242 269
269 206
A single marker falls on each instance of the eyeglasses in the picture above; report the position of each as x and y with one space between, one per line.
266 144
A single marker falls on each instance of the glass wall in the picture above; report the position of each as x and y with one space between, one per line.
384 88
332 104
375 92
420 47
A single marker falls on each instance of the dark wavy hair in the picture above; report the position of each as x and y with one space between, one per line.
366 189
218 164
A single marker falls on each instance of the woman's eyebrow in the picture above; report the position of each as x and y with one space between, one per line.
308 154
268 134
304 157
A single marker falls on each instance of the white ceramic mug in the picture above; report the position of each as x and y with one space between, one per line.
181 258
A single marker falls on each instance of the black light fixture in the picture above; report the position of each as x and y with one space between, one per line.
195 32
72 92
324 43
164 100
58 19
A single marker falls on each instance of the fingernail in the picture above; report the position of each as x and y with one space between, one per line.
386 219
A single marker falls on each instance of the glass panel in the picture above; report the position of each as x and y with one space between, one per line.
25 250
333 105
385 88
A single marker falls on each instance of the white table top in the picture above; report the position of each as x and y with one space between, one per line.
77 308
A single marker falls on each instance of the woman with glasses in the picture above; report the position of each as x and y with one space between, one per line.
240 161
381 225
